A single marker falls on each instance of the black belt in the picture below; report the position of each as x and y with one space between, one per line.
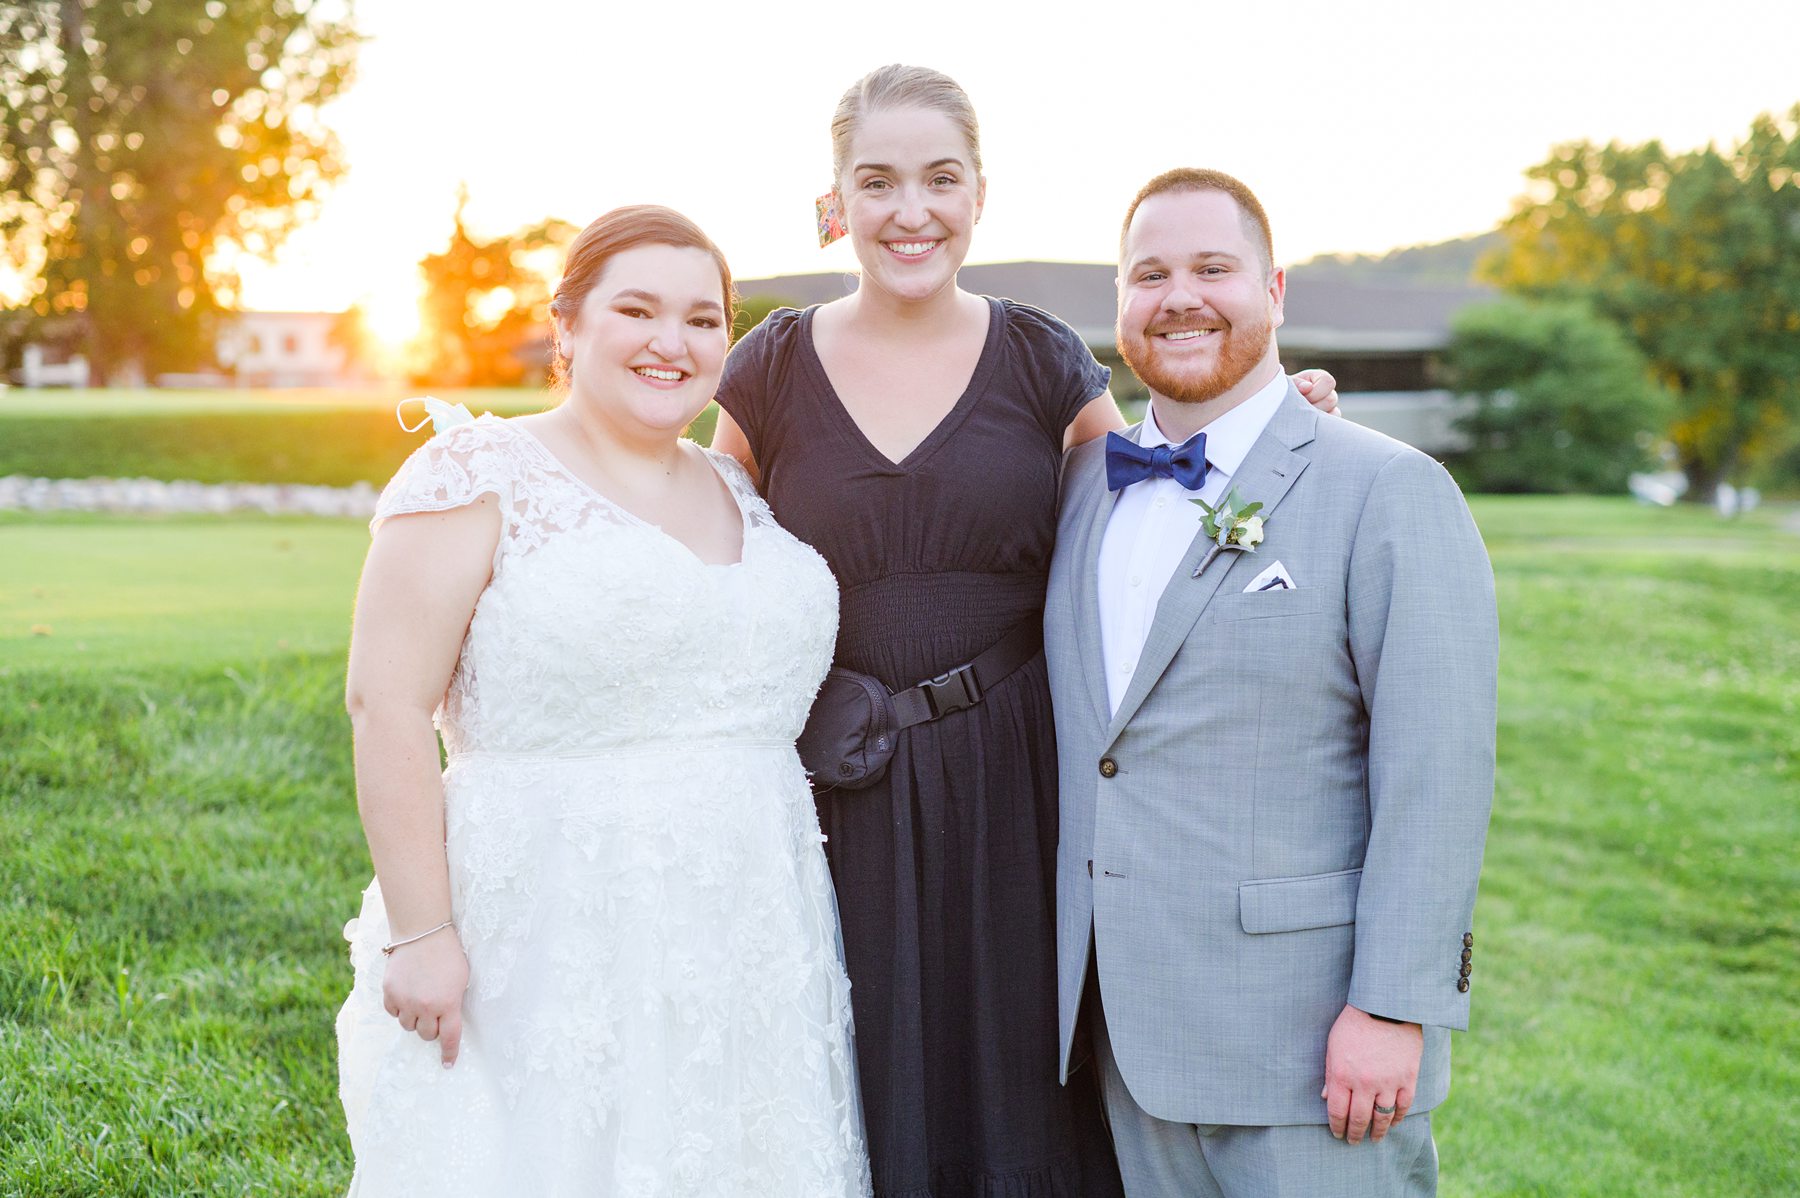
961 688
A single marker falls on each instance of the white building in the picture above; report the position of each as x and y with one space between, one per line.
35 371
283 349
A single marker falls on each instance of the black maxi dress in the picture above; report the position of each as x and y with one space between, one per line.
945 870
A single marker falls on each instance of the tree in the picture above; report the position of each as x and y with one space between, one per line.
1438 264
1697 257
143 142
486 311
1563 401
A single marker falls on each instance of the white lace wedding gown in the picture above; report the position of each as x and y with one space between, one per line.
657 1004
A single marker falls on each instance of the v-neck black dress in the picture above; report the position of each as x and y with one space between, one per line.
945 870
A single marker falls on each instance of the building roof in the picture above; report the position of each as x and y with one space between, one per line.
1322 313
1334 314
1080 293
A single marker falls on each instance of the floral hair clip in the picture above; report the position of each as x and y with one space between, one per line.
831 218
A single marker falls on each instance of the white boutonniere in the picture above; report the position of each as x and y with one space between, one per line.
1233 524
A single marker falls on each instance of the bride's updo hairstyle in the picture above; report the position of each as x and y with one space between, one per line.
896 86
620 230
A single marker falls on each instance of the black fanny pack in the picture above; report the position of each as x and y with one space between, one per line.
855 723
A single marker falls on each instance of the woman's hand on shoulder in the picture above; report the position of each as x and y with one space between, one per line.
1319 389
424 989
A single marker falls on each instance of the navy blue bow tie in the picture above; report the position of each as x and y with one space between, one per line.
1128 462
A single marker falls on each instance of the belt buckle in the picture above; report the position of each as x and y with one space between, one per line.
955 690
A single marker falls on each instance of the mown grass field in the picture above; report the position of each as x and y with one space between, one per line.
181 850
101 594
333 438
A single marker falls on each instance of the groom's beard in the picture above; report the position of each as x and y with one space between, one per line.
1192 378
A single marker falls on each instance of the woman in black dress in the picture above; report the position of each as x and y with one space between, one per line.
912 433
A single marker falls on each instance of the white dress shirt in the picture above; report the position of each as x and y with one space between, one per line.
1152 526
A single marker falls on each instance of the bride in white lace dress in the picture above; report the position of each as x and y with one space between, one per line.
621 860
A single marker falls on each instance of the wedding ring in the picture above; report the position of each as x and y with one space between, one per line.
1383 1110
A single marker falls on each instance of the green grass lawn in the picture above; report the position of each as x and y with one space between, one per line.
331 437
102 594
181 850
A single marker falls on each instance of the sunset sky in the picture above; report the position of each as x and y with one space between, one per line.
1363 127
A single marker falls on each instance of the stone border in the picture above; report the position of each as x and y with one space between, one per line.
20 492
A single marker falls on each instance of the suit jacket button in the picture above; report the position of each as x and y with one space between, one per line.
1468 940
1108 767
1090 869
1462 985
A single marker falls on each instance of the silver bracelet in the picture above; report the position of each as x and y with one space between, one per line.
387 950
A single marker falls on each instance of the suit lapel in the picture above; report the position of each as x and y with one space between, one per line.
1266 474
1098 502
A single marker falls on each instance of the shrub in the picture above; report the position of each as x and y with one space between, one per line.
1562 400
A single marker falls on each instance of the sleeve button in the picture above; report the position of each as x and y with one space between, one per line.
1462 985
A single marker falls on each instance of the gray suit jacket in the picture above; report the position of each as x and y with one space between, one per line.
1288 811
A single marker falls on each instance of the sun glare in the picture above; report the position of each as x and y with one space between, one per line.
392 316
14 288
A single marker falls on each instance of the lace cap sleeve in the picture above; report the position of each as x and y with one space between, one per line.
452 471
743 488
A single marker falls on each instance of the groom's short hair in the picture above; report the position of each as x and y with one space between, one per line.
1189 178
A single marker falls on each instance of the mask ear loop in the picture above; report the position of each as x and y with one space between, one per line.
440 415
830 211
423 420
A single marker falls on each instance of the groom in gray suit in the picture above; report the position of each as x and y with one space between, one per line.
1275 715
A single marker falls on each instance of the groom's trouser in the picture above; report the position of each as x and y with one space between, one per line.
1160 1159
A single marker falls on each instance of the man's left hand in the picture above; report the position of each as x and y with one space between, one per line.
1371 1067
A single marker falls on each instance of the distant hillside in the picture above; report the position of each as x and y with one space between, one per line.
1446 263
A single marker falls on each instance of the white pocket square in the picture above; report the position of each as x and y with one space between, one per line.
1275 578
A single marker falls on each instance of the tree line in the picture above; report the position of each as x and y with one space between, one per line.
1654 300
142 144
1654 294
